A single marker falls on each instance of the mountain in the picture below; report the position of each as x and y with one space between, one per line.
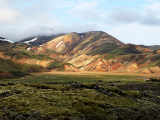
4 40
96 42
85 43
65 43
39 40
89 51
90 43
130 49
153 47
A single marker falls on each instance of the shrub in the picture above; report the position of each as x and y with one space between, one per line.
132 93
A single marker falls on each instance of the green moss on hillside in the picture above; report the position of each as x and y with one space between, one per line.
58 64
66 101
17 69
20 54
53 51
4 67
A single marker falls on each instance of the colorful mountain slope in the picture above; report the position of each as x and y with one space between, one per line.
63 43
39 40
7 70
130 49
90 51
96 42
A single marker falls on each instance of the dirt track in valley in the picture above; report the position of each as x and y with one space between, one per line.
96 73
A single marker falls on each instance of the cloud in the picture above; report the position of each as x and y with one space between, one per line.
146 15
7 15
20 34
137 34
155 6
21 17
125 15
151 20
85 10
152 14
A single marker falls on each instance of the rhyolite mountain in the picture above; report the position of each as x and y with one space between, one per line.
90 51
38 40
78 41
153 47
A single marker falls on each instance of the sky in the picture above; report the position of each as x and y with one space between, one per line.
130 21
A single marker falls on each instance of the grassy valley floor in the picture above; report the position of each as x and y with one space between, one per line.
80 96
98 73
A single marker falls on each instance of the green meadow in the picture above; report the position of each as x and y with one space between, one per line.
80 78
79 97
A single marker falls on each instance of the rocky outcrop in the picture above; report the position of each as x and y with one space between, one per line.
63 43
83 60
116 66
132 67
39 50
66 68
70 68
155 69
158 51
146 71
98 65
102 66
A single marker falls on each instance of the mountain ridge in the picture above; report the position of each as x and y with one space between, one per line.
89 51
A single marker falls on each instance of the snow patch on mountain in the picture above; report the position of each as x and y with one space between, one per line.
59 44
32 40
6 40
29 48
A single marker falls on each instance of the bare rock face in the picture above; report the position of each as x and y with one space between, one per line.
70 68
116 66
98 65
146 71
145 64
39 50
102 65
155 69
83 60
63 43
158 51
132 67
66 68
43 63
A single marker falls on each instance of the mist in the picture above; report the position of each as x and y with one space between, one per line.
20 34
